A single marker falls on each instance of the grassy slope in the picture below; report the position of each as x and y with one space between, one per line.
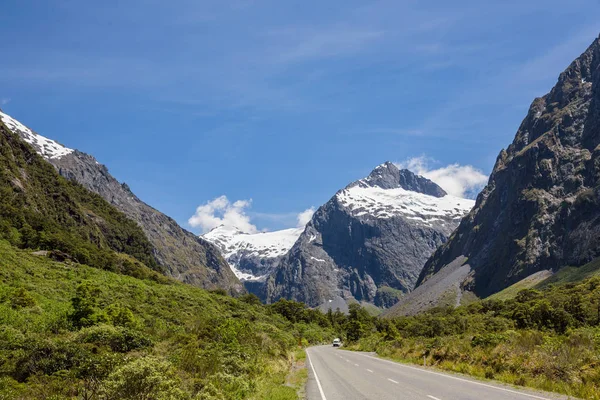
527 283
573 274
217 346
543 279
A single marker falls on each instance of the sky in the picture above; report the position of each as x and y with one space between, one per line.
256 112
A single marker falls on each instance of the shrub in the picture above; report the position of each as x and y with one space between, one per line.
144 378
21 298
119 339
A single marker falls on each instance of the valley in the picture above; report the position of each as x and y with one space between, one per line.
429 262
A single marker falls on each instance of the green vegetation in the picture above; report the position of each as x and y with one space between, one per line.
72 331
548 339
41 210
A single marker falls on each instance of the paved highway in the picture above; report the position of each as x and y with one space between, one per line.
336 374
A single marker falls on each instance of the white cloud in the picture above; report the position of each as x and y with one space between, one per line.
4 101
304 217
221 211
457 180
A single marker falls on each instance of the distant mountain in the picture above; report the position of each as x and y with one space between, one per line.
181 254
541 207
368 243
253 256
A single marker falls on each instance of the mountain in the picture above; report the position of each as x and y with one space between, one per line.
39 209
368 242
252 256
541 207
181 254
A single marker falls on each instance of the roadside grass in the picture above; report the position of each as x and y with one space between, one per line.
285 382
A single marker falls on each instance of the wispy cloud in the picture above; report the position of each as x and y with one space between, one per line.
304 44
4 101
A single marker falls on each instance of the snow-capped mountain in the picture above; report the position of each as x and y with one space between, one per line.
369 242
47 148
369 197
252 256
182 254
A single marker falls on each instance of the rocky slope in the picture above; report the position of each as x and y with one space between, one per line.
541 207
368 243
182 254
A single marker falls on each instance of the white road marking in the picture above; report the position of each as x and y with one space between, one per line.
316 377
356 365
391 380
457 378
369 370
432 397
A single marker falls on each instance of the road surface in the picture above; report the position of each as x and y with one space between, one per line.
336 374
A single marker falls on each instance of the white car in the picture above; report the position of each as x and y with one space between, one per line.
337 343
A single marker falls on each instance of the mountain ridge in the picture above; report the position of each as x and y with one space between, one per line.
183 255
540 208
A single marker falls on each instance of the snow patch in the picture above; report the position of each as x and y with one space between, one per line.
387 203
317 259
47 148
232 241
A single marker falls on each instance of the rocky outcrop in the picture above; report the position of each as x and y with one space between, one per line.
369 242
541 207
182 254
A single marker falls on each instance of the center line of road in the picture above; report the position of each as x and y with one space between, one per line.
356 365
391 380
316 377
369 370
432 397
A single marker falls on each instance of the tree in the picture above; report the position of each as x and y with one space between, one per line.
85 301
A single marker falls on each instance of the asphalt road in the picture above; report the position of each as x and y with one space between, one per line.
336 374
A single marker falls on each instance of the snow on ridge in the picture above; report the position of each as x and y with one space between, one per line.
47 148
233 242
387 203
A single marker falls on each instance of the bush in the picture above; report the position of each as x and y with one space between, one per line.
119 339
144 378
22 299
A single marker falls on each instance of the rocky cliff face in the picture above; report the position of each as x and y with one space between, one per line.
369 242
541 207
182 254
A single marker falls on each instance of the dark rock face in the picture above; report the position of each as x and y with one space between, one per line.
541 207
181 253
355 248
388 176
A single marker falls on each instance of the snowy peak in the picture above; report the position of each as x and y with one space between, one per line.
390 192
47 148
239 248
377 202
388 176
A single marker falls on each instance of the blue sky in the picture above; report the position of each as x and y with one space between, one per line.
281 102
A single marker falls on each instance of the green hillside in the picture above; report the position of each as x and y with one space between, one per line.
573 274
72 331
84 313
41 210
